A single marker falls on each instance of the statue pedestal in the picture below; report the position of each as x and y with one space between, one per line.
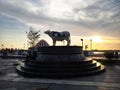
59 62
60 54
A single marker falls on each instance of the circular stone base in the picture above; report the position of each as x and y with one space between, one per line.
59 62
60 54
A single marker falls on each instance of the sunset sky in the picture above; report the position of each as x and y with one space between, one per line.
98 20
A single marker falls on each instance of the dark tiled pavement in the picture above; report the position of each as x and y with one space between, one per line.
9 80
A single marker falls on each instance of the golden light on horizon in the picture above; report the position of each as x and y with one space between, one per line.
98 42
97 39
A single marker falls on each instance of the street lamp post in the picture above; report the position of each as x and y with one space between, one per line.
11 46
27 45
82 42
24 46
2 45
90 44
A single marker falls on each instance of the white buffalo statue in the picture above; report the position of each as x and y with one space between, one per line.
59 36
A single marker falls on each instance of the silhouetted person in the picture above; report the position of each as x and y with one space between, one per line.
5 54
116 55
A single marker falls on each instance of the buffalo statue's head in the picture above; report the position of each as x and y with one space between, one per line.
47 32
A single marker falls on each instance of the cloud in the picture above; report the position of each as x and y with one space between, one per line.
51 10
101 11
90 15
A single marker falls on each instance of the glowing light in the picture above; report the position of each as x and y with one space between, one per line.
97 39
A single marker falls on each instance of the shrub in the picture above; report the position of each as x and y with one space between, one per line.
109 55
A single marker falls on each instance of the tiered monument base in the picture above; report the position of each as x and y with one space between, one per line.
59 62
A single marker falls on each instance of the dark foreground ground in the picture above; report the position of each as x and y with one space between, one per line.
9 80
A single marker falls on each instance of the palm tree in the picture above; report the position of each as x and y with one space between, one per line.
90 44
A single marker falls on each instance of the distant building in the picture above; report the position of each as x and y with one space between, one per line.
42 43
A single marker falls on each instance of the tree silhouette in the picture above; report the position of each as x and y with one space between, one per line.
33 36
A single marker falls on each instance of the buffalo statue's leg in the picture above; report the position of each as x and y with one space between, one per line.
68 42
54 42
